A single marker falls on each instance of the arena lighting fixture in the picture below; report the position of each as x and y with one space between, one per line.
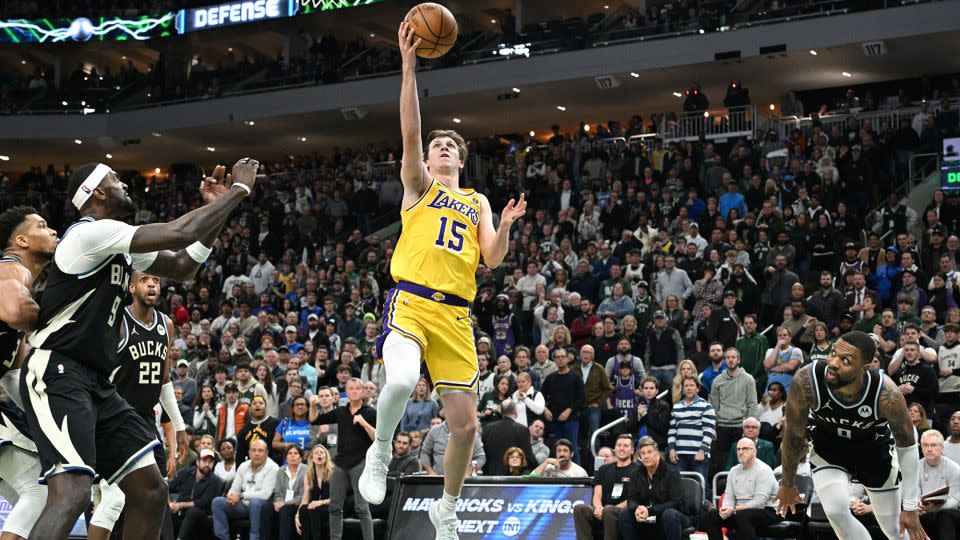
211 149
88 110
157 170
229 49
78 141
456 120
813 52
634 74
64 103
520 49
701 30
677 94
123 57
533 133
586 127
303 139
846 74
109 156
155 134
373 35
4 158
23 62
515 90
561 108
493 21
706 114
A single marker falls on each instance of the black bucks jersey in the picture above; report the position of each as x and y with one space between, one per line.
9 337
142 356
79 312
841 431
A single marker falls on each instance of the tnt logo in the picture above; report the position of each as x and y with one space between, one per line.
510 527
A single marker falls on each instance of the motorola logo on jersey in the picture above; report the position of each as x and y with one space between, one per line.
865 411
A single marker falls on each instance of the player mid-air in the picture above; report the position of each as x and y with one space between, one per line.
28 245
426 316
80 424
860 429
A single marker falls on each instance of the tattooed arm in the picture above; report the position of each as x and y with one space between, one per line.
893 407
794 445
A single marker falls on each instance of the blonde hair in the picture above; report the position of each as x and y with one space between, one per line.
327 473
566 332
676 389
461 144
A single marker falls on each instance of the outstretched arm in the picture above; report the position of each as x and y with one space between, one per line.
794 445
413 173
495 242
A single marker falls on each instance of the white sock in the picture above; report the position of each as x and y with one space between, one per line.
448 503
402 364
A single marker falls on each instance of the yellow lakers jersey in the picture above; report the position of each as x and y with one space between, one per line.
439 245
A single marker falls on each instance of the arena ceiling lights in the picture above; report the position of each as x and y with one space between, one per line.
62 29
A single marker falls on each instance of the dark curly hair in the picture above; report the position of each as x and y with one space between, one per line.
9 221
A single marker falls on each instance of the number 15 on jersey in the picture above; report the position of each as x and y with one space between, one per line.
456 230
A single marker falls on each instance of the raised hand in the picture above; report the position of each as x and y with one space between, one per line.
215 185
244 172
513 211
408 45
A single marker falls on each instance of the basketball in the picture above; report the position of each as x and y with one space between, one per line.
435 26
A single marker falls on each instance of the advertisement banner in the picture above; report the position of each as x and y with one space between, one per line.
79 528
494 511
232 13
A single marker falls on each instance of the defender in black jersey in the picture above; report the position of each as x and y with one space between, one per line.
81 425
28 245
853 416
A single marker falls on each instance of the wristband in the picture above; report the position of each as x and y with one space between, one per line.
242 186
198 252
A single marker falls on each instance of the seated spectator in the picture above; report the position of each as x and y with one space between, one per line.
434 448
918 417
313 517
939 518
251 489
951 447
287 494
504 434
226 468
404 461
763 449
540 449
515 462
654 492
771 412
611 485
748 501
192 492
561 466
294 429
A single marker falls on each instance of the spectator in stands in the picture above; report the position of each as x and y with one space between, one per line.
596 387
915 379
611 485
748 501
625 355
287 494
515 462
185 382
655 492
564 394
251 489
420 408
826 304
782 360
355 432
259 426
779 280
540 449
434 449
561 466
543 365
951 447
673 280
752 347
293 429
502 435
313 517
192 492
715 367
771 412
692 430
664 350
734 400
231 413
763 449
939 519
530 403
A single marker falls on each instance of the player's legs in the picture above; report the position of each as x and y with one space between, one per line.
886 508
68 494
108 500
146 495
460 409
20 470
832 486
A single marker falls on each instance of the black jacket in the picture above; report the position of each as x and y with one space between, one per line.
657 421
201 493
500 436
664 492
827 308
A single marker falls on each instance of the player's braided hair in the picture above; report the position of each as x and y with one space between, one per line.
9 221
863 342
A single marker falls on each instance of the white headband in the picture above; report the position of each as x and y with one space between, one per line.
86 188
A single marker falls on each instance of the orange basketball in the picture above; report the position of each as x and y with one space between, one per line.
435 26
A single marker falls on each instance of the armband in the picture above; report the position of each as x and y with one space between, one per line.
198 252
910 474
243 187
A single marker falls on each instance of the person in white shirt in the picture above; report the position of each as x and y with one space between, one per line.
561 466
260 274
939 517
527 399
951 447
251 489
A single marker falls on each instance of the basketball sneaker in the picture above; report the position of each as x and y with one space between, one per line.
373 479
446 525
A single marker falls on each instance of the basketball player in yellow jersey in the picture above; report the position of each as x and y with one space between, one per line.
446 230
